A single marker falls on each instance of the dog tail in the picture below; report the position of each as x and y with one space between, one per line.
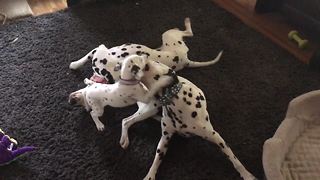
206 63
79 63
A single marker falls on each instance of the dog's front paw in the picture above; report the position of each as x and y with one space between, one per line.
124 142
100 127
73 66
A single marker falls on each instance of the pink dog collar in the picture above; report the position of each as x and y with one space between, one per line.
129 81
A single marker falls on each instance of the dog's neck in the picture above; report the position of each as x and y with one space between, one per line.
128 81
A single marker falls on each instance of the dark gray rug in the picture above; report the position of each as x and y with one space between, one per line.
248 92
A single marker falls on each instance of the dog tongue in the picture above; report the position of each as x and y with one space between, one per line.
98 79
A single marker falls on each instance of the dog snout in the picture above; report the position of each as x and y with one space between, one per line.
72 99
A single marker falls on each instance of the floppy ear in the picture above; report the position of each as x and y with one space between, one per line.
138 67
136 72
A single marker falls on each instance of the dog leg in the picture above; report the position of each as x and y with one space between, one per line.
211 135
78 64
190 63
99 124
145 111
188 31
161 151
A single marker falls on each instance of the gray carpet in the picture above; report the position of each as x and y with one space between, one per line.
247 91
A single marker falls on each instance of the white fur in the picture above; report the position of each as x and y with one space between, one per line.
187 115
173 53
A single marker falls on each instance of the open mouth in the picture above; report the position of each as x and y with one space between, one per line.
99 79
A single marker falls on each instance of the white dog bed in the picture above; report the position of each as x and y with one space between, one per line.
293 153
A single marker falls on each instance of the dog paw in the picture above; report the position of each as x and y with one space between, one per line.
124 142
73 66
100 127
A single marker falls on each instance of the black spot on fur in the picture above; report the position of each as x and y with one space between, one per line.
110 78
184 126
97 70
221 145
104 72
189 103
124 54
164 124
147 67
113 53
184 92
174 67
180 111
190 95
179 42
138 47
165 133
198 105
124 49
156 77
135 69
194 114
176 59
158 151
139 53
104 61
94 51
159 56
207 118
161 155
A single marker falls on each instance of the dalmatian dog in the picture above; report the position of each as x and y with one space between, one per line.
125 92
184 112
106 63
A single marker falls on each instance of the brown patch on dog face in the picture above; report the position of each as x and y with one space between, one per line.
76 99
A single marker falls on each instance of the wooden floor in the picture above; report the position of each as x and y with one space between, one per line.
271 25
40 7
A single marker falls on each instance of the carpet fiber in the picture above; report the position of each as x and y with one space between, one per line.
247 91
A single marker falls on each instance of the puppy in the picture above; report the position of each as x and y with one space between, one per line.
106 63
184 112
125 92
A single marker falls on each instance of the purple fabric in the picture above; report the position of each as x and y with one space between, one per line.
6 154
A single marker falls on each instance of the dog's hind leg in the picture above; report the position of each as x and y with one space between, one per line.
145 111
194 64
162 147
208 133
78 64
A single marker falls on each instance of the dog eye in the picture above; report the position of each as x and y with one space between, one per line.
117 67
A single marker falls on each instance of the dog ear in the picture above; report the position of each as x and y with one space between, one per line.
138 67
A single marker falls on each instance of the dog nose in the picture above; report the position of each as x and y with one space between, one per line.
72 100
